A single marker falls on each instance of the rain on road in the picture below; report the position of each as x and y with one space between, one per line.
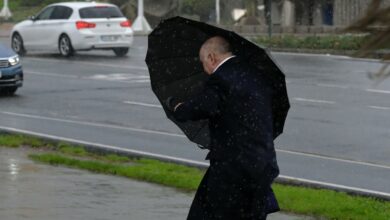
336 131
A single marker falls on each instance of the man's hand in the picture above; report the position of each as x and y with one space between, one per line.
172 103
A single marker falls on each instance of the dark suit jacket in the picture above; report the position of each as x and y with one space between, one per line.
237 101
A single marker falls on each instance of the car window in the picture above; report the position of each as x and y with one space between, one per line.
61 12
45 14
100 12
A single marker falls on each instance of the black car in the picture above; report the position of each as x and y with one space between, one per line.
11 72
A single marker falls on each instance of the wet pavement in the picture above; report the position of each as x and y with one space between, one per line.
33 191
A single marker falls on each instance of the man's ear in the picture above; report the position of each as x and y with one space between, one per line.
213 58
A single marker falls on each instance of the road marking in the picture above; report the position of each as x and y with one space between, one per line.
363 59
188 161
309 54
183 136
123 77
334 158
140 81
379 107
115 78
378 91
96 124
120 66
334 186
313 100
332 86
53 74
143 104
118 76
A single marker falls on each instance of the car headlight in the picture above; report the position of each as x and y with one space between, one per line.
14 60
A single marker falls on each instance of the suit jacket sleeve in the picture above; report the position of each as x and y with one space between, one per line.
204 105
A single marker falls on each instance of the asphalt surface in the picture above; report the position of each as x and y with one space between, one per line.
35 191
337 130
39 192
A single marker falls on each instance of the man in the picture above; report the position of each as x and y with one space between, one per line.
237 101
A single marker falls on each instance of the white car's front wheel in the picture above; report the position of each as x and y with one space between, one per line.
65 46
17 44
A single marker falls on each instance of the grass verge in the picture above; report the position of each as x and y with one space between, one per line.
331 42
314 202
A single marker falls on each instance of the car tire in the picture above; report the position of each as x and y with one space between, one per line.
121 51
17 44
8 91
65 46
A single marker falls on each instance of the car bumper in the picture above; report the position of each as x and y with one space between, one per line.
102 41
11 76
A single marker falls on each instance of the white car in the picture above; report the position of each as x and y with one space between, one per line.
71 26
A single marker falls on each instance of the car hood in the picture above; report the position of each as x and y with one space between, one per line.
6 52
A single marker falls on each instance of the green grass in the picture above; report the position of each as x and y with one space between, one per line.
167 174
314 202
326 204
14 141
22 9
332 42
330 204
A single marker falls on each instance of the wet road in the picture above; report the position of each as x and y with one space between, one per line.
39 192
337 130
34 191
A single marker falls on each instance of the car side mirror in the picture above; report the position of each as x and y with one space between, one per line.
32 18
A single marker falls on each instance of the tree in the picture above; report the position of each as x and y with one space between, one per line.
376 22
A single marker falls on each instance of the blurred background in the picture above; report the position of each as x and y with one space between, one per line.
244 16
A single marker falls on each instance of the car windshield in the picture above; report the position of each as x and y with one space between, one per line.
100 12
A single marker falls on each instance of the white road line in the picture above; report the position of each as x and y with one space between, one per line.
131 80
339 186
313 100
120 66
178 159
96 124
120 77
143 104
52 74
332 86
379 107
378 91
309 54
141 81
335 159
363 59
183 136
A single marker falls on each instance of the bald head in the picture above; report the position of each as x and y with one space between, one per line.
217 45
213 52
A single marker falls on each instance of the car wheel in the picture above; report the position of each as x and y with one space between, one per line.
65 46
17 44
121 51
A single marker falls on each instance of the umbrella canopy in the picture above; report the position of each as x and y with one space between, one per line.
175 69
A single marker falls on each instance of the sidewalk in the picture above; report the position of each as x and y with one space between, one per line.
5 29
40 192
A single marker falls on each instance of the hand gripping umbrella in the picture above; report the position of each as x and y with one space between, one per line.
175 69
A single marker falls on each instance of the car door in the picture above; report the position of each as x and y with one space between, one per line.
34 34
56 25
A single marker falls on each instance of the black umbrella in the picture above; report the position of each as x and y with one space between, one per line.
175 69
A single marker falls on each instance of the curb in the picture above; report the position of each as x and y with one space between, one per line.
282 179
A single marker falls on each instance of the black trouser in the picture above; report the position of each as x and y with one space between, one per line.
229 191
